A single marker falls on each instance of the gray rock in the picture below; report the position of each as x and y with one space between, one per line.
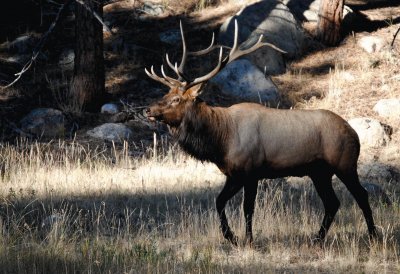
371 132
388 108
375 172
153 9
279 27
111 132
377 193
109 108
44 122
245 81
304 9
308 10
172 36
371 43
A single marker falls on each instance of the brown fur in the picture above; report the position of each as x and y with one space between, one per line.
249 142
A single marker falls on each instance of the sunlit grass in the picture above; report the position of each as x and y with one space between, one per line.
65 207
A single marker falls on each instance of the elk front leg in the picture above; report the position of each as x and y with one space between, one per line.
250 193
232 186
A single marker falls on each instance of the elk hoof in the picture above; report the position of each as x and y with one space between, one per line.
231 238
249 242
316 240
234 240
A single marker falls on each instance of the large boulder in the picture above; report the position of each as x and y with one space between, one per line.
388 108
371 132
44 122
375 172
279 27
110 108
376 192
111 132
243 80
371 43
308 10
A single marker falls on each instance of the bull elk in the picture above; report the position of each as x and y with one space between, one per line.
249 142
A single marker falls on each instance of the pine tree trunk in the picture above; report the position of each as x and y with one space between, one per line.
329 21
88 85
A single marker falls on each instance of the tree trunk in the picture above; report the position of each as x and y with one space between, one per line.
329 20
88 84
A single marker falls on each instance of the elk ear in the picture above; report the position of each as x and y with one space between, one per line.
195 91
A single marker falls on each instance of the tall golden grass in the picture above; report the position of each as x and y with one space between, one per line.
66 207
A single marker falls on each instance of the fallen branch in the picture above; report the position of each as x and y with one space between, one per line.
394 38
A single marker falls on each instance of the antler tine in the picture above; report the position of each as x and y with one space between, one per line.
181 77
206 50
155 77
184 50
210 74
184 82
169 62
236 52
170 79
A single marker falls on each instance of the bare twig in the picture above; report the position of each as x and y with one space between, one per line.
394 37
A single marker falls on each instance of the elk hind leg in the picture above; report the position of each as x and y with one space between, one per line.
323 186
352 182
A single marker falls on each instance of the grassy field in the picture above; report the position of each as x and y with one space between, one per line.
67 208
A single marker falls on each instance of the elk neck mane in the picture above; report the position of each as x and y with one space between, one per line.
204 132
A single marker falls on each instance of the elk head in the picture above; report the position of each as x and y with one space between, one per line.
183 90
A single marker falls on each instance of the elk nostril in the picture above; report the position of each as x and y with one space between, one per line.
147 111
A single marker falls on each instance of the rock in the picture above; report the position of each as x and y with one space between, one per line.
279 27
44 122
371 132
172 37
109 108
111 132
375 172
152 9
304 10
388 108
371 43
308 10
66 59
244 80
376 192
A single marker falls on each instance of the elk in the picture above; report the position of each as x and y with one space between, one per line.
249 142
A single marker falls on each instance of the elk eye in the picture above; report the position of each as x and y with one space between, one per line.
175 100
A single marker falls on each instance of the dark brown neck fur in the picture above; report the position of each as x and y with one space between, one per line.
204 132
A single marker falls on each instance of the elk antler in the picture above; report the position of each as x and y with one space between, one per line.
183 81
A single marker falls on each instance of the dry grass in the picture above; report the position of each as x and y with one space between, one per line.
67 208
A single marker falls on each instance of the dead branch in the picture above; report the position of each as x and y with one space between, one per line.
394 38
